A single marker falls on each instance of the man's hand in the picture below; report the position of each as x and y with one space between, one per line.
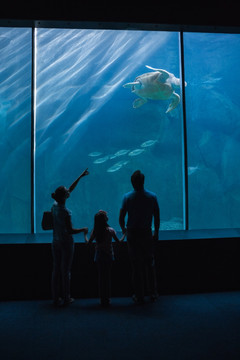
124 230
155 236
85 230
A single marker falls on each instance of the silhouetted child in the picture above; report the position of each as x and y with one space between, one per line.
104 254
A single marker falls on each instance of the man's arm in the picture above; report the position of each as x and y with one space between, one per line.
156 216
122 215
115 237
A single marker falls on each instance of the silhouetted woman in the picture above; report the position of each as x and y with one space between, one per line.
104 255
63 244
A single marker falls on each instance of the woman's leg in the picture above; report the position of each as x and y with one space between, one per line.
56 274
67 257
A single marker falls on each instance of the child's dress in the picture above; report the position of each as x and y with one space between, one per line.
104 257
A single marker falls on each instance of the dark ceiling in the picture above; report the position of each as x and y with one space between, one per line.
206 13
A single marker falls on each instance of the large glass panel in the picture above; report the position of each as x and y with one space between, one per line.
213 124
86 118
15 129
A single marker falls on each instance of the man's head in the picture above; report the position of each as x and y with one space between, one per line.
137 180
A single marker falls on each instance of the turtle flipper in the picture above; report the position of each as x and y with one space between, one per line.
151 68
131 84
139 102
174 103
164 73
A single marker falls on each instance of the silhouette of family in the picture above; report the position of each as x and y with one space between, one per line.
141 207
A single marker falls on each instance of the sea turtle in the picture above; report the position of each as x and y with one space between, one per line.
157 85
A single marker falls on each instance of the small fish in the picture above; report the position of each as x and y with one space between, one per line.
121 152
148 143
117 166
211 80
101 160
136 152
123 162
192 169
95 154
114 168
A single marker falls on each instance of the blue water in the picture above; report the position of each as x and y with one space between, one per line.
85 118
213 118
15 129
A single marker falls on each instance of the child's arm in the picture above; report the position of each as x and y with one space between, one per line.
114 235
90 240
86 239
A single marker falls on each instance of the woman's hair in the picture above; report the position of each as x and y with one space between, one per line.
60 194
100 225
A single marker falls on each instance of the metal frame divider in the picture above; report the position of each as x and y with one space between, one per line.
33 125
184 139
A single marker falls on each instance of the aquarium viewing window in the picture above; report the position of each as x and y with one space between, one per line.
72 98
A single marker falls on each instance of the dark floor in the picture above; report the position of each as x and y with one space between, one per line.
203 326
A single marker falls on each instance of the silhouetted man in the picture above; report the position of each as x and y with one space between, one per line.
141 206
